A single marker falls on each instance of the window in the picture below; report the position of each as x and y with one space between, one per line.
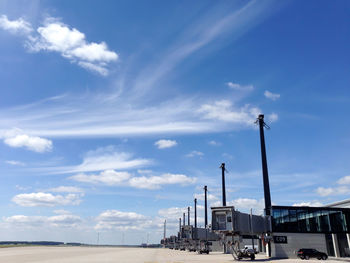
310 220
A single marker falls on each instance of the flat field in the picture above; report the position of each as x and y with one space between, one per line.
117 255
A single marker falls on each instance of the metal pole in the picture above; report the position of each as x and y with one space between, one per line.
251 226
188 219
267 194
195 218
205 207
223 184
164 229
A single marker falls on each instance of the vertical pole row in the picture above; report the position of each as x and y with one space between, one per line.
223 184
188 219
195 218
205 207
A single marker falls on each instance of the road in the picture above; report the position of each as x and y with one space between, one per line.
115 255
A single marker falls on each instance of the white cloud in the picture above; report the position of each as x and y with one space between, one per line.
312 203
271 96
245 204
214 143
336 190
327 191
273 117
344 180
102 159
71 44
46 199
17 139
210 197
15 163
223 110
155 182
56 36
67 221
19 26
239 87
66 189
22 220
62 212
194 154
107 177
162 144
173 213
114 219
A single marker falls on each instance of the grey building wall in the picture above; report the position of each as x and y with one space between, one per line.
216 246
297 241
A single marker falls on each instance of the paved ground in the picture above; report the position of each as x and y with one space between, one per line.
117 255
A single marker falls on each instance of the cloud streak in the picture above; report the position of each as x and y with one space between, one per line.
102 159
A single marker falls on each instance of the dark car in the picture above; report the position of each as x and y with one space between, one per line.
306 253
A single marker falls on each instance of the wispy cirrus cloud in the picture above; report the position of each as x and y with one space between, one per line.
66 189
70 43
15 163
71 116
214 25
102 159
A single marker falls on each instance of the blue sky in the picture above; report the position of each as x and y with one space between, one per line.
114 115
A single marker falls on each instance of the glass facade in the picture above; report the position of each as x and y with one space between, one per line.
310 219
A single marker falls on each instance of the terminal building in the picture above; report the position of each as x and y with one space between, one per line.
289 229
326 229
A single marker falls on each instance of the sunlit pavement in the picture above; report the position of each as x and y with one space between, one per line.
122 255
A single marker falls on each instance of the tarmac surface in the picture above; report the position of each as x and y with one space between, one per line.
120 255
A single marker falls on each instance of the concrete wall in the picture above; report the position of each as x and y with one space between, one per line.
297 241
216 246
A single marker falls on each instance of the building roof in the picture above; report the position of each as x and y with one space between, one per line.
342 204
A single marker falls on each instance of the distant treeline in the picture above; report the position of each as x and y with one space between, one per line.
38 243
54 243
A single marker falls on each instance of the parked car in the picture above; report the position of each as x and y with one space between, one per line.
306 253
